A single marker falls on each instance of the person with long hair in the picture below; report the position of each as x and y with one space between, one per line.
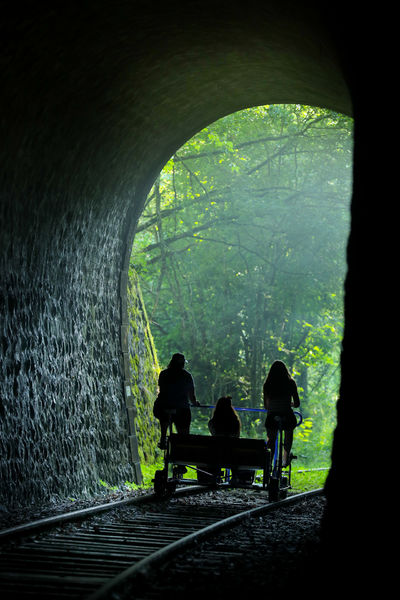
176 394
280 394
224 420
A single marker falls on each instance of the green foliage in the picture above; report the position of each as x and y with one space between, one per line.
303 480
109 488
144 371
148 470
307 480
241 257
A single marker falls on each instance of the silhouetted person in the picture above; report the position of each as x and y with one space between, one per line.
176 392
280 394
225 420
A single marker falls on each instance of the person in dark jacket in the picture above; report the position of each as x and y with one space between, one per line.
225 420
280 394
176 394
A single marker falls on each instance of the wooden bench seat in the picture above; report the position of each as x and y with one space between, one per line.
217 451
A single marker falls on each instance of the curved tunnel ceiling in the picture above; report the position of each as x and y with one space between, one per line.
120 90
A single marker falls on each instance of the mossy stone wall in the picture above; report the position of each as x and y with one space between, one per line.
144 370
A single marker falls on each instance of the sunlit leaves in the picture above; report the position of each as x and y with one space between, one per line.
241 249
304 430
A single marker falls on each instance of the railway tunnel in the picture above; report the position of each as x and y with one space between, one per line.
96 97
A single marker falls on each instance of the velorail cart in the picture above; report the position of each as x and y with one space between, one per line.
220 460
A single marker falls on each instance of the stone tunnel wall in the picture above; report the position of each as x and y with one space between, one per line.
64 419
63 423
66 423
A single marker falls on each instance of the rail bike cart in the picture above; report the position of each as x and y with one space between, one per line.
220 460
217 460
280 476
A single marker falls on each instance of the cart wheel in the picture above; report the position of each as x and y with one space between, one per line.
160 483
171 487
273 490
282 494
284 487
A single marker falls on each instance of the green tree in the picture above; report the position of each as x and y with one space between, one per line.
241 250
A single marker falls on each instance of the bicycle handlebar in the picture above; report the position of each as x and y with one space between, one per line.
243 409
239 408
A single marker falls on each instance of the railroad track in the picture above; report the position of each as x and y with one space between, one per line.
88 554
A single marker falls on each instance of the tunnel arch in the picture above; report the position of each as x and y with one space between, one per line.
301 68
95 100
168 189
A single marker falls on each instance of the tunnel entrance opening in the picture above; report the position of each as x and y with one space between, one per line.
240 255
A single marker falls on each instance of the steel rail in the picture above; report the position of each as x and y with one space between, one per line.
183 543
84 561
84 513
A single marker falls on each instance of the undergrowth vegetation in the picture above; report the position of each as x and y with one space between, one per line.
303 479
